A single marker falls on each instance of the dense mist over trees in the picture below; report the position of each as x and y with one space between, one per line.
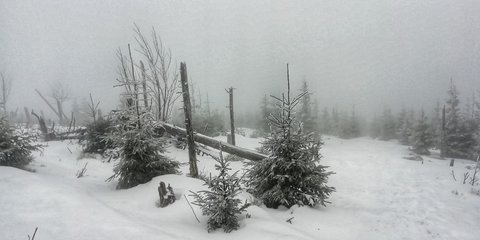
371 54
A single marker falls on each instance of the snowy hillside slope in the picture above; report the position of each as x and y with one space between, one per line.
379 195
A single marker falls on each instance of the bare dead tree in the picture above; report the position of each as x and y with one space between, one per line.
6 87
453 175
33 236
232 117
465 177
162 74
81 172
93 108
60 93
187 107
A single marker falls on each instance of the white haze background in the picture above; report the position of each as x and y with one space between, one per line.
368 53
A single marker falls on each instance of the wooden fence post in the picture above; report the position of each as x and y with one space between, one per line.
232 116
187 108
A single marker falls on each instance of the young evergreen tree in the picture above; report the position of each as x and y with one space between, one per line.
93 141
403 127
305 113
422 139
290 174
349 126
458 136
139 149
436 125
15 148
387 125
220 202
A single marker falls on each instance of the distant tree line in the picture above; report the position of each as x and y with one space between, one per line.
422 130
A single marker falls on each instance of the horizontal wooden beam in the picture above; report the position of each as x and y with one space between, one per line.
214 143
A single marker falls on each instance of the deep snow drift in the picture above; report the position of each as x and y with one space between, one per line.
379 195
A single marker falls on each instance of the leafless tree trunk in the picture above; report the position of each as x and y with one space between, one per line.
93 109
43 128
60 94
187 107
442 135
232 116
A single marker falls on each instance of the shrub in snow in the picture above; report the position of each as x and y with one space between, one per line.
94 139
220 202
15 148
291 174
139 149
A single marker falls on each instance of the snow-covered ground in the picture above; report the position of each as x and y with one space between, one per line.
379 195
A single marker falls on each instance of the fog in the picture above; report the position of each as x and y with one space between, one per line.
365 53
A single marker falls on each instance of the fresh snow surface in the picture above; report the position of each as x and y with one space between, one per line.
379 195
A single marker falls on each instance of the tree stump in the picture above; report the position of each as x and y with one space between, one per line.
452 162
166 194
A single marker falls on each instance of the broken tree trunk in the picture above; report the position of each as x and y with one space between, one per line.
214 143
60 115
166 195
43 128
232 118
187 108
442 135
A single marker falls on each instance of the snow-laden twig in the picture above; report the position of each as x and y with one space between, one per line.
33 237
453 175
191 208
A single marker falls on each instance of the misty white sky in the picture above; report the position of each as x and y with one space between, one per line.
368 53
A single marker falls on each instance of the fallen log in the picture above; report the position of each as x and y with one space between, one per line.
211 142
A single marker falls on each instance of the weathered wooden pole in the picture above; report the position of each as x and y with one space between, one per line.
232 116
442 135
187 108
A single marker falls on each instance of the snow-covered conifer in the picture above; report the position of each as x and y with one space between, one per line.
458 132
15 148
139 149
290 174
387 131
220 202
305 113
422 139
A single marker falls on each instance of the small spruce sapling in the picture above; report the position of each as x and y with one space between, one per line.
290 174
15 148
422 139
139 149
220 202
